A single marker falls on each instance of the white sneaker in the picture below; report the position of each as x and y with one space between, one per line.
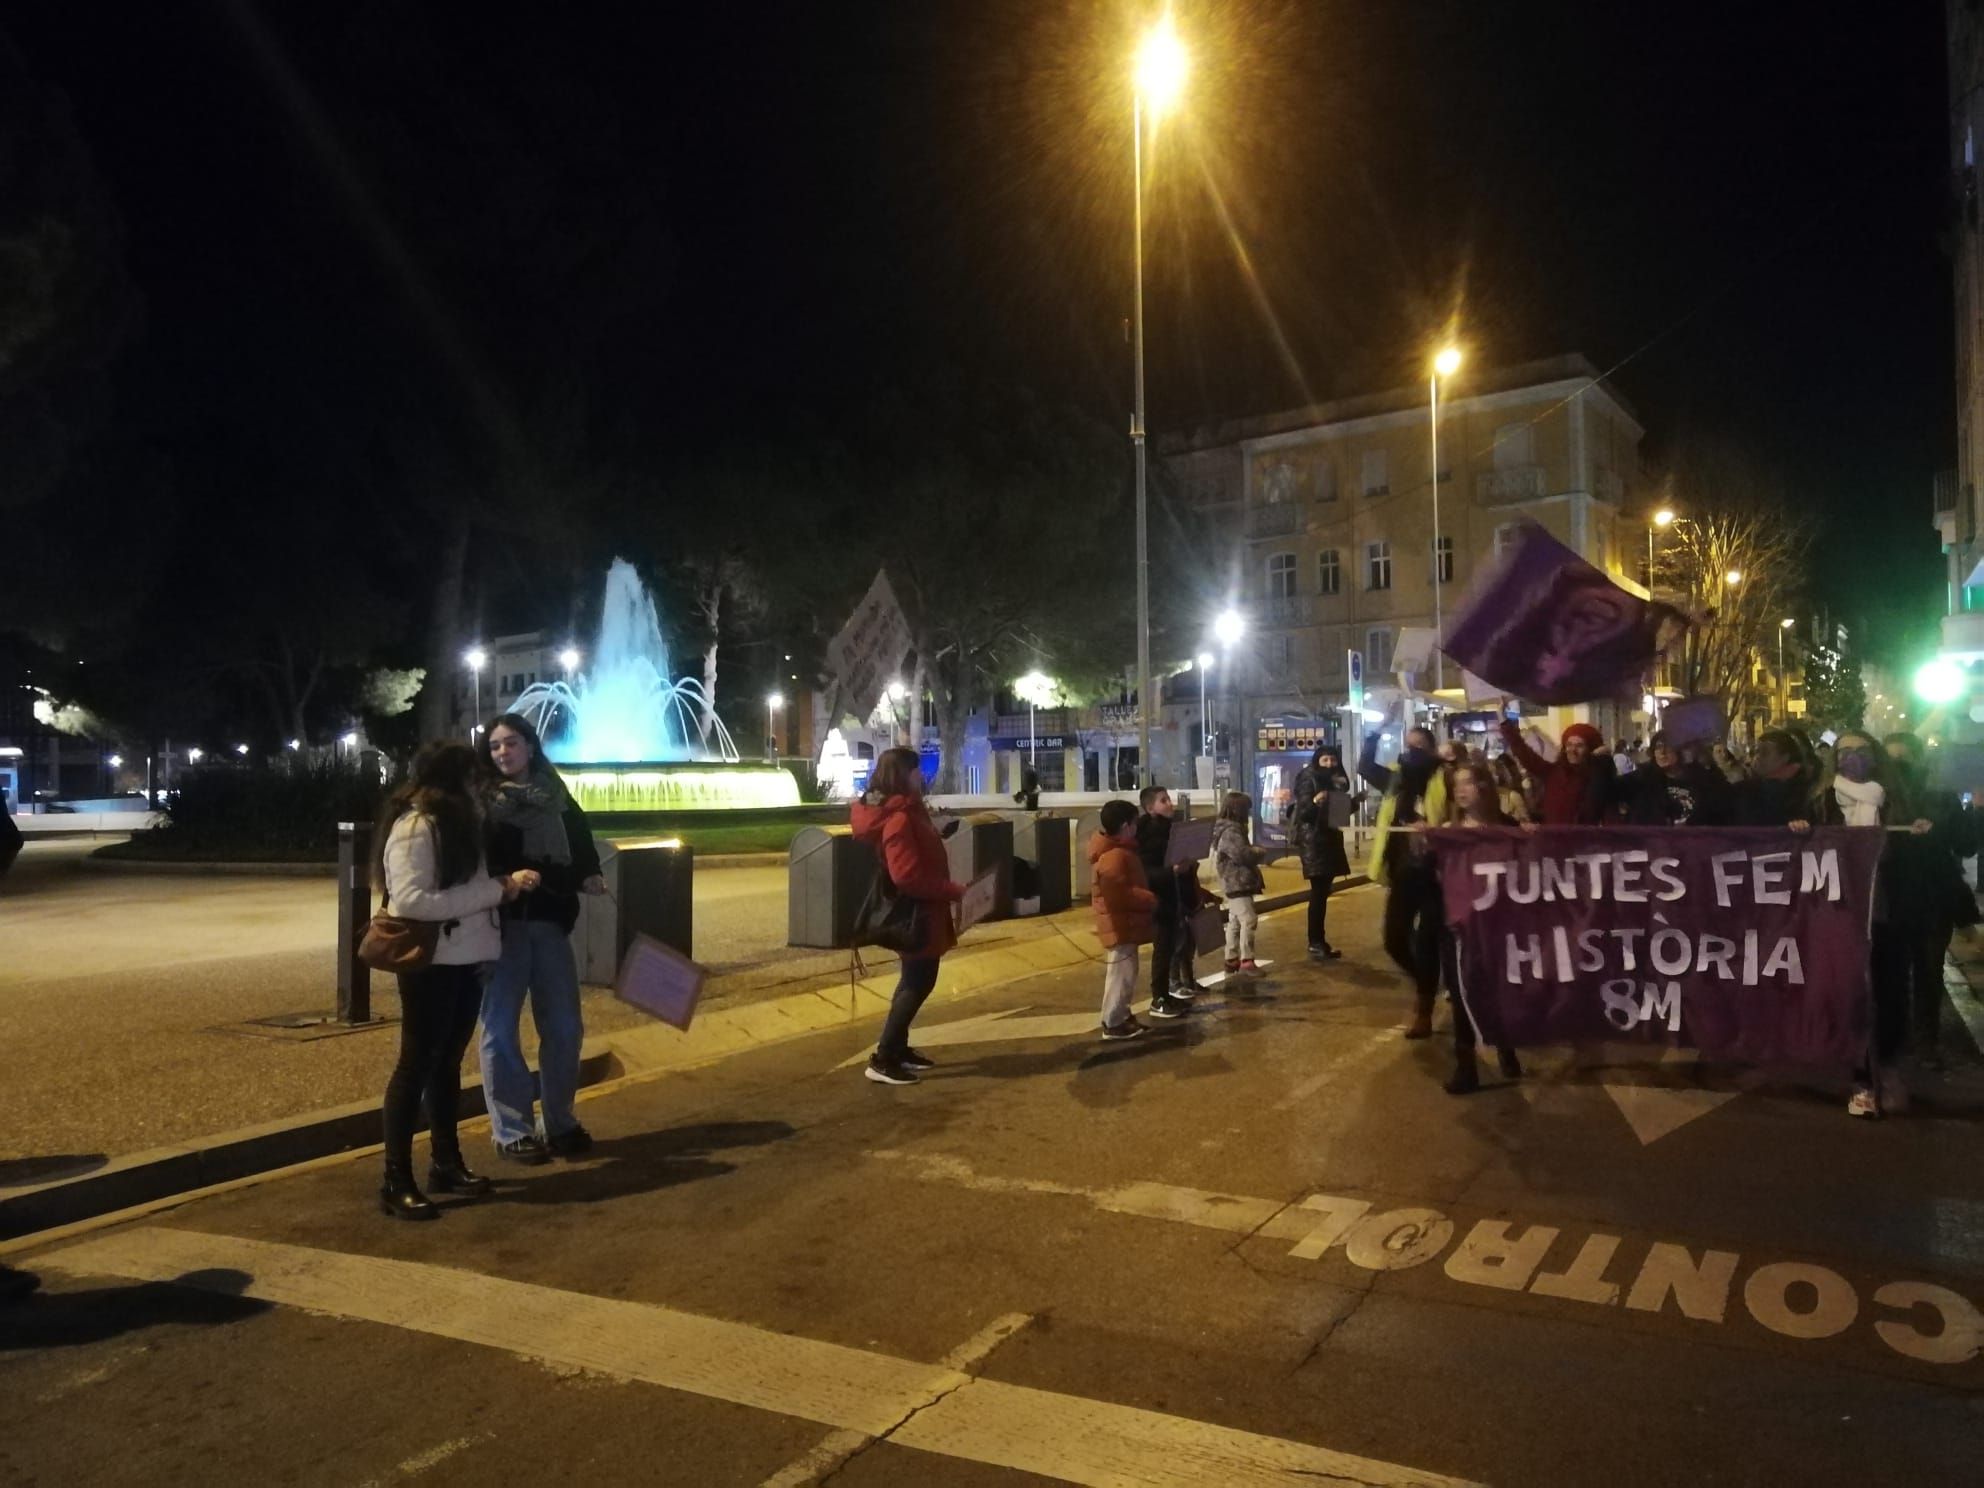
1862 1103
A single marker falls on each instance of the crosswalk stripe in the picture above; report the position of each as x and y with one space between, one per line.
930 1407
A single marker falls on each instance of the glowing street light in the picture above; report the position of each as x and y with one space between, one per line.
1733 577
1444 365
350 740
772 704
115 761
477 659
1161 66
569 660
1663 518
1035 685
1938 682
1205 723
1227 628
194 756
295 744
242 750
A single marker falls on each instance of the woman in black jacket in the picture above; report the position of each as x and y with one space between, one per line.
1321 784
533 822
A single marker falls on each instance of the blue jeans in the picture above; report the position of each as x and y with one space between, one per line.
537 958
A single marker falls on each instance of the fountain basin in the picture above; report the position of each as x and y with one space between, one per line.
618 789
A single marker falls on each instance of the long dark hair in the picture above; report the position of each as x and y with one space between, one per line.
540 763
438 786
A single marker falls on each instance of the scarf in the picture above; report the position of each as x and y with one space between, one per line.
535 806
1860 801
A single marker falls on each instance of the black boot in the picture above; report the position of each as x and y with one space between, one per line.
449 1174
1506 1061
399 1198
1466 1078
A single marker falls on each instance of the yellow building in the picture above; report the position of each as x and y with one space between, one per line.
1336 513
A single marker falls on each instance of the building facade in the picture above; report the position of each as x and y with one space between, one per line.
1335 513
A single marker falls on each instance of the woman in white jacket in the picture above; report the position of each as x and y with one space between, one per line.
431 866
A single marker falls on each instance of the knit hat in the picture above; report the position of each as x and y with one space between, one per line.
1592 737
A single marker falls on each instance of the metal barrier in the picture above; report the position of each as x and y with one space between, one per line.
650 891
983 844
829 872
1042 841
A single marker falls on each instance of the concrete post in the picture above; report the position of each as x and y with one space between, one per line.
354 913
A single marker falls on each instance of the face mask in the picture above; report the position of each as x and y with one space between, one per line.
1856 766
1415 758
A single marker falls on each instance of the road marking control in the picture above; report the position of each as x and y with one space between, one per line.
931 1407
1920 1320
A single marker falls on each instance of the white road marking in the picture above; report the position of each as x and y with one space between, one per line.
839 1448
1792 1299
1963 997
931 1407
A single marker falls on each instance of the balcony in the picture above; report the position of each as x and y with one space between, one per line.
1518 483
1277 520
1288 609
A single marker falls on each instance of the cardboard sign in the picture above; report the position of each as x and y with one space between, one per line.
660 981
1191 842
979 901
869 649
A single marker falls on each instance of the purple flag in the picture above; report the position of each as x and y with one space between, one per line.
1541 623
1748 943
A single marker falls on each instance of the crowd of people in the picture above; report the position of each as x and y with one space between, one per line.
1791 781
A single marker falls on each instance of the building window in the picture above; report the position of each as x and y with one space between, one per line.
1443 559
1377 473
1329 572
1281 651
1378 565
1377 654
1281 576
1505 536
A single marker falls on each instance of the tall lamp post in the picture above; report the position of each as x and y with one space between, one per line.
1031 687
1205 723
1444 365
772 705
1662 518
1227 628
1783 683
477 659
1160 74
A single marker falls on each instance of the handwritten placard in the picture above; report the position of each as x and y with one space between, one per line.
979 901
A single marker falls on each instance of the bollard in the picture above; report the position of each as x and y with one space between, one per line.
354 913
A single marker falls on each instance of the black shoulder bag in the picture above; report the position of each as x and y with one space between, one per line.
889 919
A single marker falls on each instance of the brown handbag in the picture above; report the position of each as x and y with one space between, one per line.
395 943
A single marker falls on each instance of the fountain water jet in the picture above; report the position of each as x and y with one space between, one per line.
631 738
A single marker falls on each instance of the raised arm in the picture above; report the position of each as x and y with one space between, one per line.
1534 763
1377 776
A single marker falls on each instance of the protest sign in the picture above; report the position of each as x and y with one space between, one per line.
981 896
1543 624
1694 720
1749 943
660 981
1190 841
1412 655
867 651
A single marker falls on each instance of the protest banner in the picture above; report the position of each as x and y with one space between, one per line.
1541 623
1189 842
1747 943
981 897
866 652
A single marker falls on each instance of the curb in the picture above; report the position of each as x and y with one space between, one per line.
744 860
165 1172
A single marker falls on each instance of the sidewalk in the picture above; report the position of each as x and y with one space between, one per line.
129 1004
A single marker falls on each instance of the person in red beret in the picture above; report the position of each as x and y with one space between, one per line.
1576 784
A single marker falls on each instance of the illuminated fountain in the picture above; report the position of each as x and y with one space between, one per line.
629 737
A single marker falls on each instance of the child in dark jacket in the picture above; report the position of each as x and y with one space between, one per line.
1238 862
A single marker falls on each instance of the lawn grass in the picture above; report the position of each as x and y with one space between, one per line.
752 837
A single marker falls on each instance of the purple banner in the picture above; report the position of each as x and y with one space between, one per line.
1543 624
1748 943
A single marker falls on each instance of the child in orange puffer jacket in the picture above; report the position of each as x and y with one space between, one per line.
1123 902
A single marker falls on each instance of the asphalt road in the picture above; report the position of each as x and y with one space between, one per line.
1261 1246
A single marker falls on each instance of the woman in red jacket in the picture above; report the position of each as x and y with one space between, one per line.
892 819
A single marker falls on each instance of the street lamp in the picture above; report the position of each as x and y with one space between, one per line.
1160 76
1733 577
1030 687
569 660
1662 518
242 750
195 755
1783 684
477 659
897 692
1444 365
1205 723
772 705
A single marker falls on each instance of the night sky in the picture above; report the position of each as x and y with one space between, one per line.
741 218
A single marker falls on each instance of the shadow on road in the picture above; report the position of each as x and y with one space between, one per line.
644 1163
66 1319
